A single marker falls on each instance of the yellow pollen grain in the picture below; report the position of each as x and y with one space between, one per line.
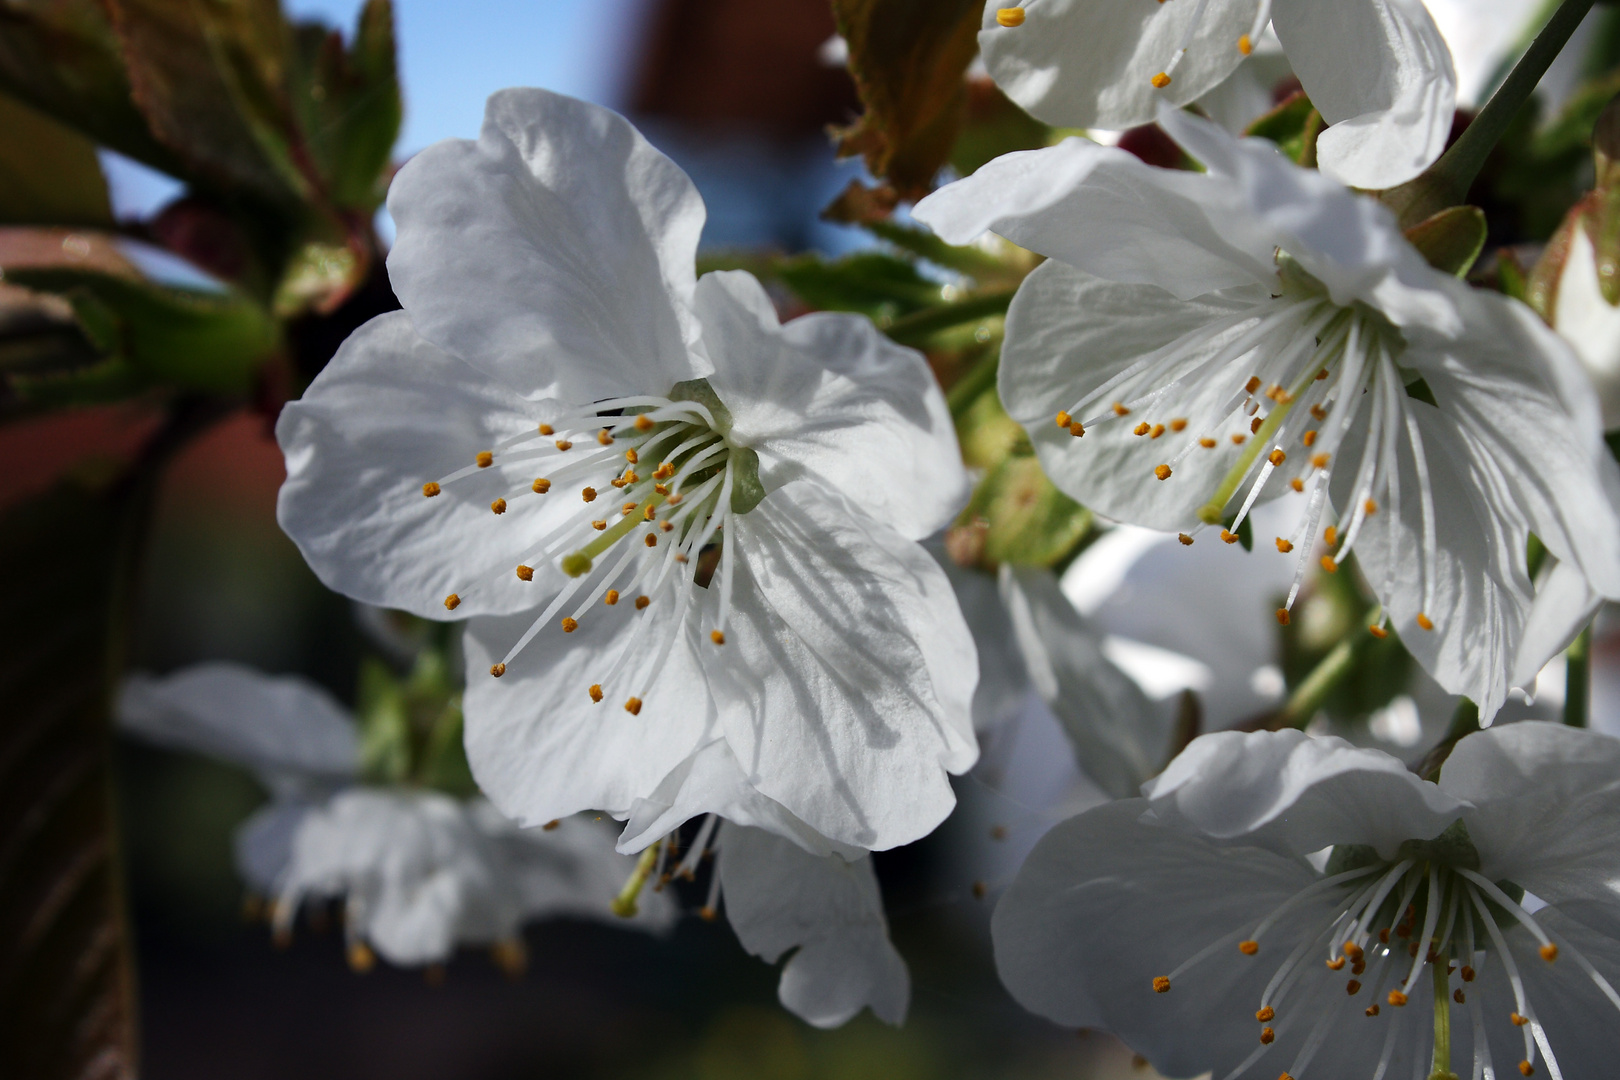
1319 412
485 459
666 526
1277 457
1161 984
497 670
1077 429
1396 998
1064 419
540 486
648 514
452 602
1518 1021
1252 385
525 573
1010 17
1267 1036
611 598
1424 621
1549 952
547 429
1248 948
642 601
605 437
1162 472
633 706
1319 461
1309 438
596 692
589 494
1467 973
1459 997
1266 1014
1284 546
1160 81
1245 46
631 456
1239 439
1120 410
1282 616
430 489
628 508
1330 536
617 481
1158 429
644 423
1185 539
1228 537
1378 632
598 525
1372 1010
498 506
1142 429
651 540
717 637
1254 425
1370 506
1526 1069
1178 424
680 557
1297 484
1336 963
569 625
1207 443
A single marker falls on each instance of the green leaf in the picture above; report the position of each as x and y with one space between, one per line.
62 58
1294 126
1024 519
908 58
980 265
411 728
66 982
875 284
1452 239
49 174
349 105
920 326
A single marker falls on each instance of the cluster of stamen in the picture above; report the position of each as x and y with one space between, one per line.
1390 925
665 539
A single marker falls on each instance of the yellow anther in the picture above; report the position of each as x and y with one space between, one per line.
644 422
642 601
1254 425
1162 472
598 525
1372 1010
1161 984
361 958
540 486
1330 536
589 494
1459 997
1549 952
1396 998
497 670
430 489
605 437
1275 392
651 540
452 602
1178 424
1239 439
1064 419
717 637
1378 632
1467 973
1120 410
1010 16
1248 948
1526 1069
1277 457
680 557
648 513
1185 539
1077 429
525 573
1266 1014
547 429
617 481
1309 438
569 625
1245 46
1336 963
498 506
564 444
596 692
1160 81
1267 1036
1353 987
485 459
633 706
1424 621
1142 429
1370 506
1297 484
1319 461
1252 385
1282 616
1319 412
1329 565
1518 1021
631 456
664 471
1207 443
1228 537
1284 546
1158 429
1322 374
630 476
1353 951
666 526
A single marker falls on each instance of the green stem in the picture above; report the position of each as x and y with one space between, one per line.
920 325
625 904
1446 182
1442 1023
1328 674
1578 679
979 378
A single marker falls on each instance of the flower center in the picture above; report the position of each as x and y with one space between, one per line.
657 480
1385 923
1304 374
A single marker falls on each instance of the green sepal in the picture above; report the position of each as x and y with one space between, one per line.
1245 531
1452 239
1294 126
746 489
700 391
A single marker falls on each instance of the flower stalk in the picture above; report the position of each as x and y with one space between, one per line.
1309 694
626 904
1578 679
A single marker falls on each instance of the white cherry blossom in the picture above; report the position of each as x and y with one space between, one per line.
1203 925
1378 70
678 525
1207 340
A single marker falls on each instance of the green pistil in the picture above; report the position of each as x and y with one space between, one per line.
625 904
581 561
1442 1021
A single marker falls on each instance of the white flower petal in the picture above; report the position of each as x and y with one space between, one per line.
1589 322
1546 807
263 843
1119 737
541 749
1080 63
278 726
1105 211
849 672
1295 794
1564 605
1390 108
555 253
387 415
779 897
827 395
1003 680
